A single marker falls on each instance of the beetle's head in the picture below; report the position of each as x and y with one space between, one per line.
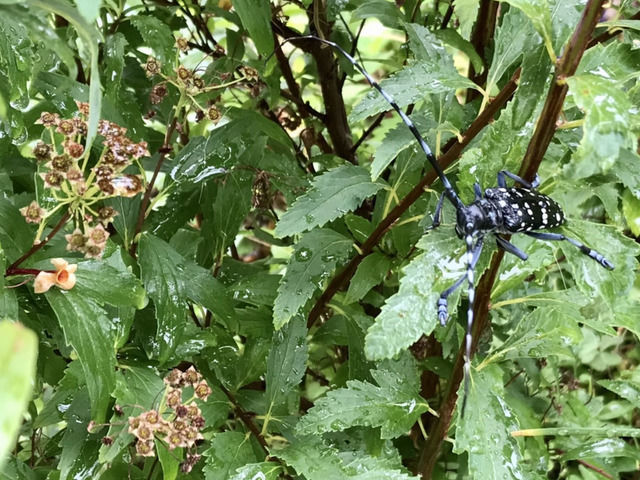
470 220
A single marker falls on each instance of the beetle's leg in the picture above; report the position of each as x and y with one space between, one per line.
510 248
598 257
442 301
503 183
437 214
477 190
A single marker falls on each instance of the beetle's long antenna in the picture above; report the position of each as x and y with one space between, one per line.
471 294
449 191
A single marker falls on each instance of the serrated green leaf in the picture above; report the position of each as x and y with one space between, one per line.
228 451
631 212
88 330
392 406
369 273
315 257
261 471
161 270
256 18
332 194
451 37
15 234
433 72
539 13
114 63
18 354
627 389
105 284
606 124
386 13
544 332
157 35
486 430
513 37
414 306
286 362
605 448
616 61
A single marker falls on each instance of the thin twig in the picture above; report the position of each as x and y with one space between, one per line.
247 420
37 246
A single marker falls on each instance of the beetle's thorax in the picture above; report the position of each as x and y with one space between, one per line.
480 216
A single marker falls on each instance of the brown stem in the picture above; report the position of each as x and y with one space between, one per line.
452 150
247 419
431 448
368 131
481 38
565 67
447 16
164 151
37 246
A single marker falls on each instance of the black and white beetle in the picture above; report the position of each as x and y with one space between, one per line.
502 210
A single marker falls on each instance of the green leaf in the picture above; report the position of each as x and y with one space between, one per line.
228 451
314 258
371 271
89 9
631 212
513 37
261 471
604 431
452 38
627 389
136 388
414 305
539 13
91 334
332 194
15 235
432 72
467 12
393 406
202 287
90 36
605 448
256 18
223 218
608 114
486 430
105 284
170 460
386 13
286 362
17 377
162 270
544 332
157 35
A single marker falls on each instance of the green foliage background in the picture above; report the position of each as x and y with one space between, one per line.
285 253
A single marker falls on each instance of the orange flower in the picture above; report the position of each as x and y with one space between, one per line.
64 277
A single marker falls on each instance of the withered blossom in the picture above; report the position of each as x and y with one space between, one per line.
182 44
76 241
33 213
75 150
48 119
64 277
42 151
66 127
106 215
61 163
52 179
152 67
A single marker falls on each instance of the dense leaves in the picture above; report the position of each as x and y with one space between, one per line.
245 283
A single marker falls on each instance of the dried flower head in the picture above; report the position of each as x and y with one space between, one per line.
74 149
48 119
198 83
250 72
182 44
191 376
52 179
66 127
158 92
64 277
33 213
75 176
127 185
80 126
42 151
174 398
214 114
152 67
93 251
107 441
202 391
175 440
174 378
104 184
106 215
61 163
97 236
145 448
83 108
184 73
76 241
193 411
103 171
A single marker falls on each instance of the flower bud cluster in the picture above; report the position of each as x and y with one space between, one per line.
177 423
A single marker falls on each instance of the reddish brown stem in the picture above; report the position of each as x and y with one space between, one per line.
147 194
37 246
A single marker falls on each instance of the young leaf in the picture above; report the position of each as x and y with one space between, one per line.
18 354
315 257
286 362
332 194
370 273
162 269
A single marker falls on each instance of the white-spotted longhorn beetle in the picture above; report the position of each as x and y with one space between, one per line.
502 210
